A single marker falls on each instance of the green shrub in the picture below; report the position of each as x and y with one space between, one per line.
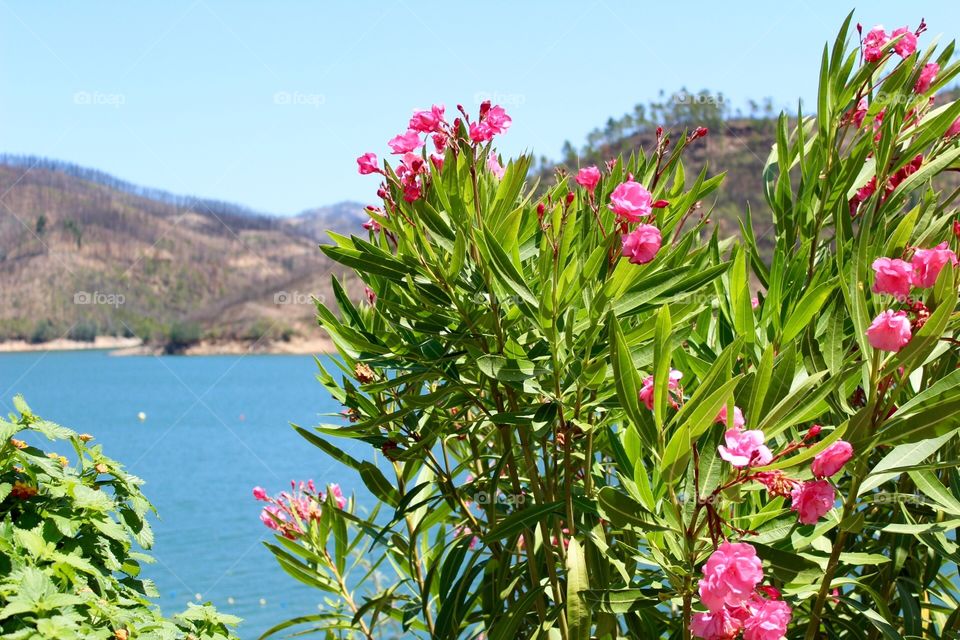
44 331
84 331
592 425
68 563
183 335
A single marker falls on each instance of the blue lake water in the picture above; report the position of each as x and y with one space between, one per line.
215 427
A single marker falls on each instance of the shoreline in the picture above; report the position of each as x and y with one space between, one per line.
136 347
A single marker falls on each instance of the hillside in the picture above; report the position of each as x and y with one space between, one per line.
738 144
83 254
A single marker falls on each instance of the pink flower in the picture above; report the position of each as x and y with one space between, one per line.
811 500
893 277
890 331
745 448
875 44
755 302
954 129
259 493
493 121
588 178
646 393
368 164
427 121
859 113
777 482
730 575
338 495
907 44
768 622
269 516
829 461
497 119
371 225
927 264
494 166
405 142
642 244
927 76
631 201
437 160
863 193
715 626
738 421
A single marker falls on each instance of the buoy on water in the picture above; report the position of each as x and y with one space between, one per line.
141 416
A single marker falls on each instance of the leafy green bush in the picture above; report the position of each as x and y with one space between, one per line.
44 331
593 426
67 558
182 335
84 331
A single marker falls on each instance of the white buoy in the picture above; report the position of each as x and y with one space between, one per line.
230 600
263 601
197 596
141 416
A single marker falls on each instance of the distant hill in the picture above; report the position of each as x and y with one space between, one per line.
82 253
738 144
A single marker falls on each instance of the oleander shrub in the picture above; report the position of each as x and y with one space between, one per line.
589 416
70 530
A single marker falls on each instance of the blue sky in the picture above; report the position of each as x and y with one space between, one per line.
268 103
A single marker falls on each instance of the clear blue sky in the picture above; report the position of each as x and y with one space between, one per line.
268 103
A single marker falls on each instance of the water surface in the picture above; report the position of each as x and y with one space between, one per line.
215 427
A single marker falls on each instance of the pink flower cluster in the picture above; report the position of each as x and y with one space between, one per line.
876 43
892 330
289 512
811 500
867 190
730 591
632 203
673 387
412 172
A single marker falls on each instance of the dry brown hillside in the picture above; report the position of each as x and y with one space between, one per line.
79 257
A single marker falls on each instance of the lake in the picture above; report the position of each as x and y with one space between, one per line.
215 427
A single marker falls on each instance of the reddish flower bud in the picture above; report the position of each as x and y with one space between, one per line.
771 592
813 432
660 204
569 197
540 209
699 132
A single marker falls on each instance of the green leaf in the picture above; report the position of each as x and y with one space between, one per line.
904 455
661 365
627 381
623 511
620 601
578 614
808 307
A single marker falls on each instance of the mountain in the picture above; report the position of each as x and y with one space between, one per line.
84 254
344 218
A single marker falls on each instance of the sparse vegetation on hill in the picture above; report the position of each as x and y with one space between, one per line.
83 254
